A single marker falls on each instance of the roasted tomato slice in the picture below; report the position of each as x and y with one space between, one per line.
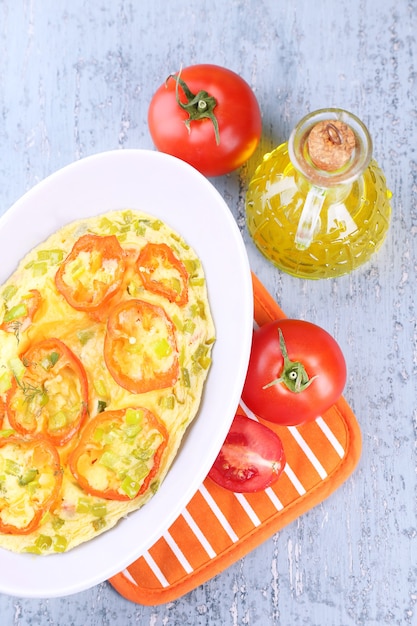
19 317
119 453
163 273
92 272
30 481
51 396
140 347
251 458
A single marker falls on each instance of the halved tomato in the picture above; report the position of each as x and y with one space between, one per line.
92 272
51 396
163 273
140 347
30 481
251 459
119 453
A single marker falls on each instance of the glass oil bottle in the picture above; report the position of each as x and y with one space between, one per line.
318 206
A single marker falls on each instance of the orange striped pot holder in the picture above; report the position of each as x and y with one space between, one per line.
218 527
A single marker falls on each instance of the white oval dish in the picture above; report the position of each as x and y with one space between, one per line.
175 192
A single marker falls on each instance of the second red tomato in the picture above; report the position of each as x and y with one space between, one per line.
207 116
296 372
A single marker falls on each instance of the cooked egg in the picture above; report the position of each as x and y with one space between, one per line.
165 357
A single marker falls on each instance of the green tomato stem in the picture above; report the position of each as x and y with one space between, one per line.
198 106
293 374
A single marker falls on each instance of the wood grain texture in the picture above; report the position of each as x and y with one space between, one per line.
76 77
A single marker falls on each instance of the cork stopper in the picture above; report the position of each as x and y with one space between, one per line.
331 144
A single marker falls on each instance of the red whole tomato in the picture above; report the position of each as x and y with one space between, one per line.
296 372
251 459
208 116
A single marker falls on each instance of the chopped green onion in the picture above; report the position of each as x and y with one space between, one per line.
99 509
198 310
130 487
20 310
146 452
189 327
197 282
106 224
196 368
167 402
142 470
50 360
127 216
54 256
200 352
132 430
201 309
83 505
186 377
140 229
28 477
60 543
57 421
155 438
162 348
156 224
84 336
205 362
191 265
77 269
17 367
12 468
181 356
178 323
176 285
99 523
7 432
100 387
133 416
39 269
53 358
57 523
32 550
32 487
109 460
201 357
5 382
9 292
43 542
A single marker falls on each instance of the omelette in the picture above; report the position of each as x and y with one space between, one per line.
106 340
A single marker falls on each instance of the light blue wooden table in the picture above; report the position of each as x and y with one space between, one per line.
76 77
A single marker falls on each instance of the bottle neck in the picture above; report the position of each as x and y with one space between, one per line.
330 148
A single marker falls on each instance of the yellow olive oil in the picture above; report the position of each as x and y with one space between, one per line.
352 223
